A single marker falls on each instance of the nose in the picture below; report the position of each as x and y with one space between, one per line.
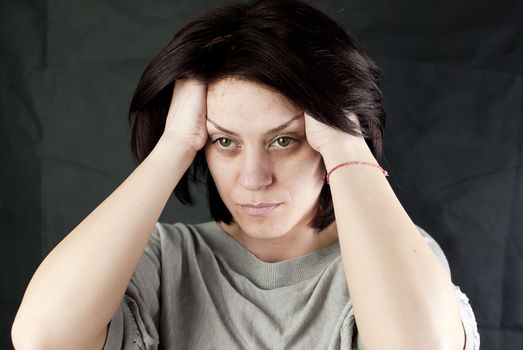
256 171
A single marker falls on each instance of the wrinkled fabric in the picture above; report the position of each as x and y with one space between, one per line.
195 287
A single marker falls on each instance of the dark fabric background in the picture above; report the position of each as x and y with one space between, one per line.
453 145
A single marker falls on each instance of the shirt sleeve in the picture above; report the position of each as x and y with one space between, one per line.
468 320
135 325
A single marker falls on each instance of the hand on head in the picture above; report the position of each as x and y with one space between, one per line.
321 136
186 119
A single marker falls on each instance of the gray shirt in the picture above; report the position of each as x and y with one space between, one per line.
195 287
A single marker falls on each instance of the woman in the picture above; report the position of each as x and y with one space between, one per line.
259 101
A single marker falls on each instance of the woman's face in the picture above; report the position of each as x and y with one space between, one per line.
251 164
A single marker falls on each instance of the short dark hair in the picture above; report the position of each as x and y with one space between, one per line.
286 45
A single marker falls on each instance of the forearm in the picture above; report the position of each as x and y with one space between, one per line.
78 287
402 296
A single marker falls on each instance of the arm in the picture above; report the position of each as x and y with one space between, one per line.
77 289
402 296
79 286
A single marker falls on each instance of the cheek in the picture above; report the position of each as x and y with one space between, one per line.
308 167
211 158
220 172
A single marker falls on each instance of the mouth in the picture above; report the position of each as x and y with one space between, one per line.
261 209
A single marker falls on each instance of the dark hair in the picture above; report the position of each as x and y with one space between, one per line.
286 45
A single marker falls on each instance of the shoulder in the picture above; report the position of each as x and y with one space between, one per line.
178 236
179 230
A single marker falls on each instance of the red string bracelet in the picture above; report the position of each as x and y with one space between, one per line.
354 162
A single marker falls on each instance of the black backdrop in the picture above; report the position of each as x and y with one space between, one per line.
453 93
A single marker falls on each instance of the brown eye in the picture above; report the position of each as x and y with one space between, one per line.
283 141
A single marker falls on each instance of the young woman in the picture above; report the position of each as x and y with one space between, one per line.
267 103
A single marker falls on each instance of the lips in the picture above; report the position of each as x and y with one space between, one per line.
259 205
260 209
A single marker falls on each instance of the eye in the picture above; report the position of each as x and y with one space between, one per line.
223 142
286 141
227 142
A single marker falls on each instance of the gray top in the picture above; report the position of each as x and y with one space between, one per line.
195 287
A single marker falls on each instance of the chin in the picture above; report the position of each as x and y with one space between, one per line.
262 228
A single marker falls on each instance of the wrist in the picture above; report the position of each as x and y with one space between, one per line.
174 144
171 150
337 153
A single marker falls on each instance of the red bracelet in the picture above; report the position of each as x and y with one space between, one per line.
354 162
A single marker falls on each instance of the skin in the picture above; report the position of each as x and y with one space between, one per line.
252 167
402 296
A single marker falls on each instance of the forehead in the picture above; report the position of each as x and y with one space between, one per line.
239 104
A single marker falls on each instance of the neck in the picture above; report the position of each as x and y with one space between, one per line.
300 241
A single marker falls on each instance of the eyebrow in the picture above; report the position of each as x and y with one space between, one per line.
276 129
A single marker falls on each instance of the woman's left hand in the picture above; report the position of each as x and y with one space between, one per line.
322 136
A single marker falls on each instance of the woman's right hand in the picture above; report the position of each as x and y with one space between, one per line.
186 119
48 315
